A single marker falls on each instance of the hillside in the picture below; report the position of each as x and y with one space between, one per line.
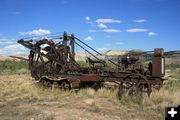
115 52
80 56
171 56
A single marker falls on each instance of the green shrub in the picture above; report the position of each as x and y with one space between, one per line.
172 66
8 66
83 63
172 85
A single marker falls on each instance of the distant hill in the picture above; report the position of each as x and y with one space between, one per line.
171 56
3 58
115 52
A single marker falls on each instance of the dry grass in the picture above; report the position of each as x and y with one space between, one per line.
21 86
20 98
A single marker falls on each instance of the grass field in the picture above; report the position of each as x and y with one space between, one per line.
21 99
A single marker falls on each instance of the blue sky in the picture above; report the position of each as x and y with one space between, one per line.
103 24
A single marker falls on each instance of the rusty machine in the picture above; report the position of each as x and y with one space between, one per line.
52 63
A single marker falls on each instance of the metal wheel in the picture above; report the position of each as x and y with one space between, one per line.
43 61
65 85
121 90
137 85
35 65
97 85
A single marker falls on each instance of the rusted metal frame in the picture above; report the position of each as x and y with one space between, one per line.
137 80
42 59
38 56
21 58
88 52
74 61
31 57
65 44
27 44
54 50
37 59
134 79
41 54
116 82
72 41
31 48
94 50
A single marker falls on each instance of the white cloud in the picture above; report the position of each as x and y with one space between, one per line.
119 43
91 31
6 42
14 46
111 30
139 20
87 18
101 25
152 33
10 47
6 39
89 38
108 21
107 44
137 30
103 49
13 49
36 32
89 21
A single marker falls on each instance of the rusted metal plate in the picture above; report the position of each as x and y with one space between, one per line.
75 82
90 78
159 52
158 63
158 67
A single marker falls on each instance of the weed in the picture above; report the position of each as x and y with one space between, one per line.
94 107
